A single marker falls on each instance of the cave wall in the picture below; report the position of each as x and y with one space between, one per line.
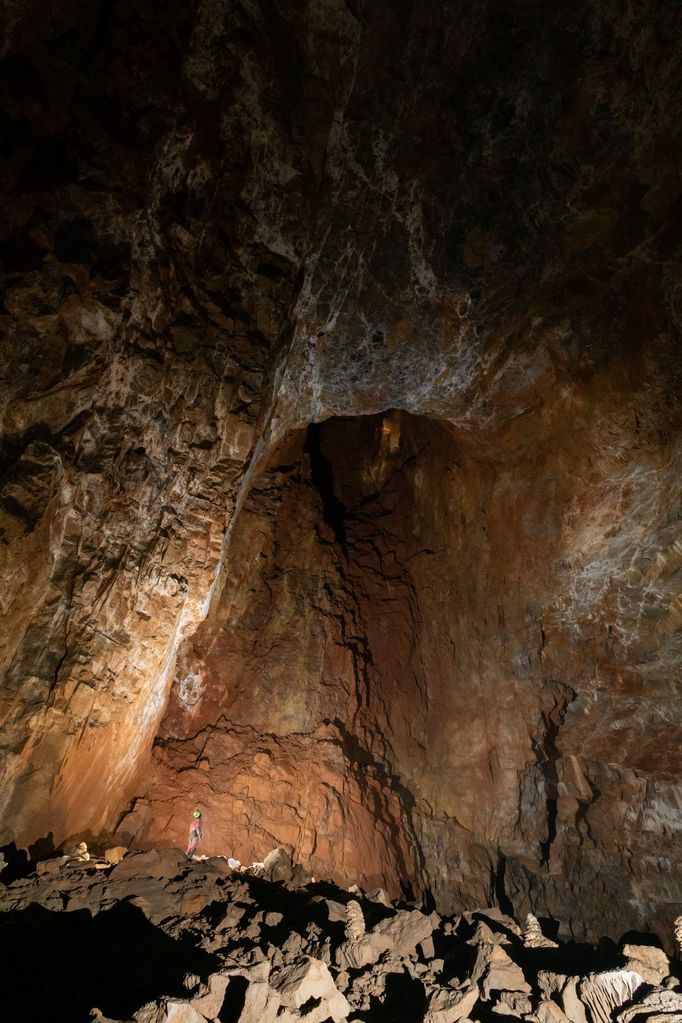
140 310
228 221
418 676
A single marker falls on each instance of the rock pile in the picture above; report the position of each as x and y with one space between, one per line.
206 943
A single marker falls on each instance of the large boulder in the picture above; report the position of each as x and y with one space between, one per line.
399 934
209 1000
651 963
494 970
310 981
407 929
115 854
261 1003
278 866
163 863
495 919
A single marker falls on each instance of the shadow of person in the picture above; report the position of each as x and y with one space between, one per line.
42 848
16 863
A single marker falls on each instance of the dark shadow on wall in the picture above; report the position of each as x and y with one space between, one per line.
14 863
42 848
61 965
333 510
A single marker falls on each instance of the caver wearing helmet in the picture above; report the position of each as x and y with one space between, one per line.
195 834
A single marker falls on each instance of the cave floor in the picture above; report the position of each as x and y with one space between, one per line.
159 939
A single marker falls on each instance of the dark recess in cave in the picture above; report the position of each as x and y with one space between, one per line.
549 756
66 960
333 510
503 900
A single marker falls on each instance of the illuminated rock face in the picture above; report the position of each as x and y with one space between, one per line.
417 675
443 642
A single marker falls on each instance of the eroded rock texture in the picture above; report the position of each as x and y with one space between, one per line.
404 684
441 645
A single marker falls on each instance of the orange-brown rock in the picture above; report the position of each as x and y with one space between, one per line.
402 705
340 441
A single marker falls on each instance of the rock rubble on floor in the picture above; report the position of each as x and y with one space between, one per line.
209 944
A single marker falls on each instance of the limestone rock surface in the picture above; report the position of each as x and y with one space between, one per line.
340 442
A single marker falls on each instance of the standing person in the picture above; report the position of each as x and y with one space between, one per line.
195 834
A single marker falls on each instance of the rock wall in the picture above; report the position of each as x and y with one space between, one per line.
415 675
443 645
133 370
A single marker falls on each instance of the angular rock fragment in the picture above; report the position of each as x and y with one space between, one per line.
512 1003
294 945
406 929
209 999
495 919
115 854
369 985
309 984
161 863
261 1003
278 866
651 963
571 1002
380 896
484 935
336 911
233 915
168 1010
494 970
52 866
400 933
448 1006
549 1012
653 1007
